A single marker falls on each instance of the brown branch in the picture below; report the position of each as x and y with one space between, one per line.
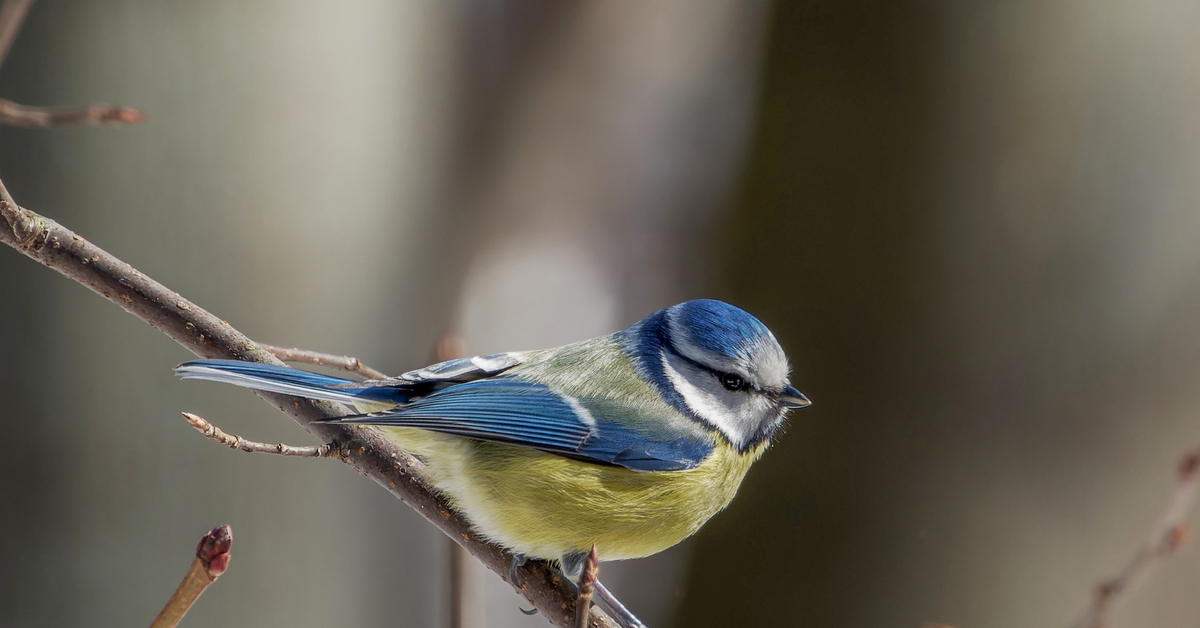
237 442
41 117
212 559
12 16
332 360
1169 534
57 247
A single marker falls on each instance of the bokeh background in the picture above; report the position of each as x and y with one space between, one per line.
974 226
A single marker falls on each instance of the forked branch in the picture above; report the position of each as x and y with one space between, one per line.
207 336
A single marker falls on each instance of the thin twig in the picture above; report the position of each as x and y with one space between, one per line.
1168 535
206 335
587 585
332 360
212 559
41 117
12 16
237 442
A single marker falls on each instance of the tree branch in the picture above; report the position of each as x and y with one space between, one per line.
41 117
233 441
205 335
12 17
1168 535
212 559
332 360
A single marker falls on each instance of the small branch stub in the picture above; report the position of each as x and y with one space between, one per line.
42 117
212 559
332 360
237 442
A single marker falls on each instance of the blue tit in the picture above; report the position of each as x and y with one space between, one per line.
630 441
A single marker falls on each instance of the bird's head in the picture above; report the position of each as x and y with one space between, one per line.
721 366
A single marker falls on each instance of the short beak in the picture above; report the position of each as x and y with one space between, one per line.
792 398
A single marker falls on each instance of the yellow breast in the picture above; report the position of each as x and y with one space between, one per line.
544 506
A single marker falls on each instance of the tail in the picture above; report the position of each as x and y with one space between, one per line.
288 381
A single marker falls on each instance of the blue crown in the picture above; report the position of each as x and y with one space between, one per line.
719 327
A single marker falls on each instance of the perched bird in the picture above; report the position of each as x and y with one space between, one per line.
630 441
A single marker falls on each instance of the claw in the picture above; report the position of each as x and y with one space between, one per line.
516 563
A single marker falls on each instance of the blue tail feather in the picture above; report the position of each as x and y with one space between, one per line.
288 381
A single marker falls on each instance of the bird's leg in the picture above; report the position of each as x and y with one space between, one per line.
517 561
617 609
571 566
586 584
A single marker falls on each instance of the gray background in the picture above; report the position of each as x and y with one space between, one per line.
973 226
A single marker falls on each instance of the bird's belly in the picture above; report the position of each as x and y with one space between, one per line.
544 506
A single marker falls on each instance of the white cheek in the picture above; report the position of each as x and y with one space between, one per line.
705 396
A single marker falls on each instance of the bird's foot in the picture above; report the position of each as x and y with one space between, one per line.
571 567
517 561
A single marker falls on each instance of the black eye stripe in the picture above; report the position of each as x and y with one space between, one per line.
719 375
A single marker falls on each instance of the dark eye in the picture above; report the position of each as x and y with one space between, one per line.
732 382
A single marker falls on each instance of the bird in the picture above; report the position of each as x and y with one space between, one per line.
627 442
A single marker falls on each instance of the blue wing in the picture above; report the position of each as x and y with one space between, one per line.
532 415
464 397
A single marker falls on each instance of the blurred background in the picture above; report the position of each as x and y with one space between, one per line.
974 226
